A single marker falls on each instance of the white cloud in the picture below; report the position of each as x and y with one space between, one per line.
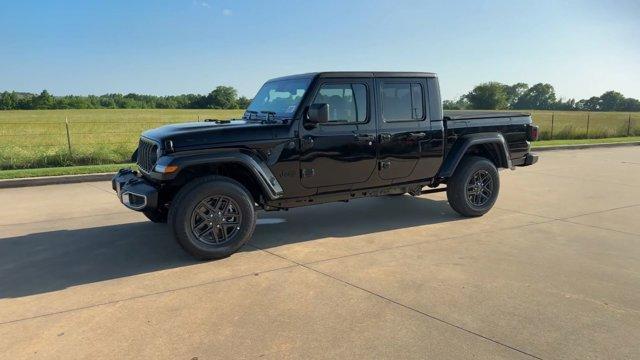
201 3
227 12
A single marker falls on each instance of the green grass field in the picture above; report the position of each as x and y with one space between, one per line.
34 139
37 139
575 124
63 170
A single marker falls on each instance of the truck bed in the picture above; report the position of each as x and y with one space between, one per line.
511 124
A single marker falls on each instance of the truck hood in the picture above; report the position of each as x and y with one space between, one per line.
194 135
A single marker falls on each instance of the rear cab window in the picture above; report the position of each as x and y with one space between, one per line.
402 101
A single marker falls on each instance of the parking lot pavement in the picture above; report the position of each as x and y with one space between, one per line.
553 271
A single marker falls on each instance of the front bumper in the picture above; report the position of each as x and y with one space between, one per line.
134 191
526 160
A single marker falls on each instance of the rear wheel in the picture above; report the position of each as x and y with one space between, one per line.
212 217
474 186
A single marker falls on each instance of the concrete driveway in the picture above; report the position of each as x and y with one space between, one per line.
553 271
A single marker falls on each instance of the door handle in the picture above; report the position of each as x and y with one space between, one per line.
417 135
385 137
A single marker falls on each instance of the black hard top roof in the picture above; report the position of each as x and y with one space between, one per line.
356 74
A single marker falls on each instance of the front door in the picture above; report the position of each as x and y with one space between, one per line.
403 126
341 153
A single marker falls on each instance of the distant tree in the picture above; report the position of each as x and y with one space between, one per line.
611 101
449 105
165 103
491 95
514 92
630 104
488 96
43 101
460 104
243 102
24 101
538 97
222 97
565 105
107 102
590 104
8 100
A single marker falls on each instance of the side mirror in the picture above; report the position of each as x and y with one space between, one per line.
318 114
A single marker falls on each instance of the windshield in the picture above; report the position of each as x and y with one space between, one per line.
280 98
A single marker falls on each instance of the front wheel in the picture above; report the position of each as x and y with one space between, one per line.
212 217
474 186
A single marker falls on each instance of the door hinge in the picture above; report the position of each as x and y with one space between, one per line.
306 142
307 172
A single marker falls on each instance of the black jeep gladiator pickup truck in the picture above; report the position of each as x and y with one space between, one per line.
316 138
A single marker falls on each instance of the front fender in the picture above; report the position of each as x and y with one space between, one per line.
258 168
464 143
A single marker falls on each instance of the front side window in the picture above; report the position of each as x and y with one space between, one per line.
281 97
402 102
347 102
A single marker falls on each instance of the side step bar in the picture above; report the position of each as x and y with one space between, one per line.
431 191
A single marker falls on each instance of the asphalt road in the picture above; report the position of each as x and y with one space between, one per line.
553 271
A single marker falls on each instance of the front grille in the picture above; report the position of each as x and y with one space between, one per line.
147 155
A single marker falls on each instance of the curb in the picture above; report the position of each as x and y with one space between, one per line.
584 146
54 180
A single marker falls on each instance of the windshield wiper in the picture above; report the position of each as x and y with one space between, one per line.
273 119
251 113
271 116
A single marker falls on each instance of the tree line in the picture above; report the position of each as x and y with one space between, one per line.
486 96
498 96
222 97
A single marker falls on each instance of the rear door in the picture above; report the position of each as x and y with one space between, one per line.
403 126
340 154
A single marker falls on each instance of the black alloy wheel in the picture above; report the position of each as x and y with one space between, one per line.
474 186
479 188
216 220
212 217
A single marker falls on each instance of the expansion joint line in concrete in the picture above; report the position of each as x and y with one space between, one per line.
405 306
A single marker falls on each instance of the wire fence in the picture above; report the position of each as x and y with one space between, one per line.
33 144
65 142
586 125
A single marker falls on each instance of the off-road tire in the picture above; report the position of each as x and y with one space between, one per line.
458 184
183 208
157 216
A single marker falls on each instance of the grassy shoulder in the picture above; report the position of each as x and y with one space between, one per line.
94 169
543 143
58 171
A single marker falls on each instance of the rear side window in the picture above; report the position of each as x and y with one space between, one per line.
402 102
347 102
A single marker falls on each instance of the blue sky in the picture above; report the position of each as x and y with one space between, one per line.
168 47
